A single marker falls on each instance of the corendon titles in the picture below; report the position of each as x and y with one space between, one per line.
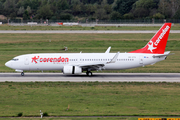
40 59
164 31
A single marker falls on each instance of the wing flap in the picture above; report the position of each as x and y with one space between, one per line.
92 64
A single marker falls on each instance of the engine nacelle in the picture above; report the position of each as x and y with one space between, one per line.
72 70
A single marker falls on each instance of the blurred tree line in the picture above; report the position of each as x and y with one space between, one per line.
90 9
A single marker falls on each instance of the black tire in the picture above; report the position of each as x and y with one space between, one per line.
89 73
22 74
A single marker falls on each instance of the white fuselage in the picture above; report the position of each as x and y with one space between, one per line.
56 61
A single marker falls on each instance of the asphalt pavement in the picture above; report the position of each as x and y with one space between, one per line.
100 77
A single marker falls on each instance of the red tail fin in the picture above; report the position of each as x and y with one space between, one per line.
157 44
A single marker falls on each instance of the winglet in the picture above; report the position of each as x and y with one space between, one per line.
114 58
108 50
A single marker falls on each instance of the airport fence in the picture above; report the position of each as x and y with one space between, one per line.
86 22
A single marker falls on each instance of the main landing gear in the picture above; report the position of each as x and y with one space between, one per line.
89 73
22 73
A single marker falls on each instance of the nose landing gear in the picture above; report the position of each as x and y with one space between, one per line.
21 71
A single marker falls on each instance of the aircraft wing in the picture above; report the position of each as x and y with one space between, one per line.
98 65
114 58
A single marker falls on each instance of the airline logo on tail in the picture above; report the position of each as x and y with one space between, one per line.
150 46
158 42
164 31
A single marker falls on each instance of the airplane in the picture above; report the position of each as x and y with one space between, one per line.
76 63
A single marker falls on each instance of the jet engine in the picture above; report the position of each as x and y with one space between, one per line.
72 70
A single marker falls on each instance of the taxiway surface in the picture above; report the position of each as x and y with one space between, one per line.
100 77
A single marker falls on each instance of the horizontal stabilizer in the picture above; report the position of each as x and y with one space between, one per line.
165 54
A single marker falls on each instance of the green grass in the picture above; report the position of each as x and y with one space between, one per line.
73 118
7 27
12 45
89 98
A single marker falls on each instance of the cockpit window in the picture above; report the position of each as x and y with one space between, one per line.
15 59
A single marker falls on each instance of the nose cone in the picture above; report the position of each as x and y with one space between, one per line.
8 64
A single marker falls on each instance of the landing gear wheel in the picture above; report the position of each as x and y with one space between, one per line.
88 73
22 74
